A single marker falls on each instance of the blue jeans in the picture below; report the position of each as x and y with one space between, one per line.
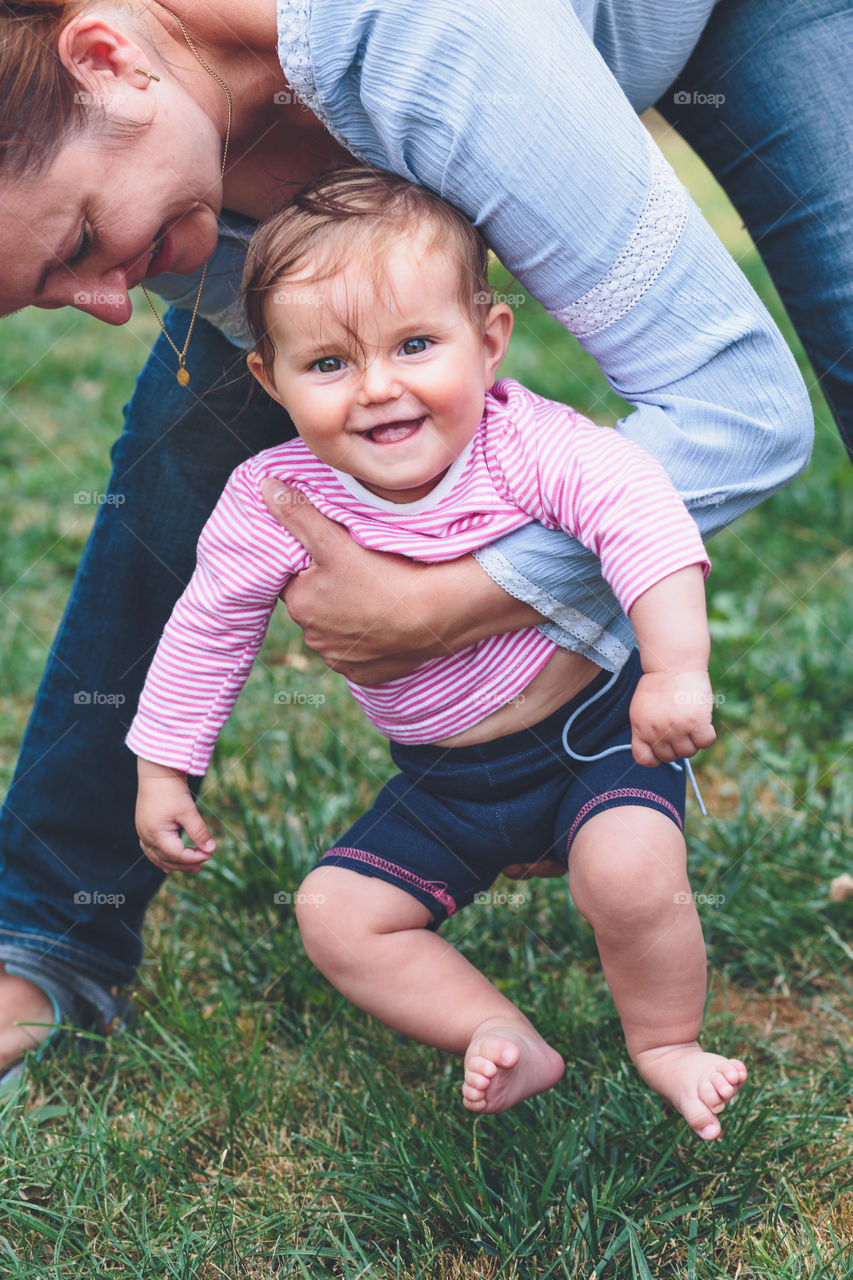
74 882
781 145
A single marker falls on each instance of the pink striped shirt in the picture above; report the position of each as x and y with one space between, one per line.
531 459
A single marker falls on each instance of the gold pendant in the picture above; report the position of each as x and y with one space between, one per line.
183 377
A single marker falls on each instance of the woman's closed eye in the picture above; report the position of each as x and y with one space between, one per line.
83 246
415 346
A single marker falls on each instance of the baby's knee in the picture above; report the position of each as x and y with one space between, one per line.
324 923
342 914
629 879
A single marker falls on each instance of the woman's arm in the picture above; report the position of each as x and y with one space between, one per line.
521 124
374 616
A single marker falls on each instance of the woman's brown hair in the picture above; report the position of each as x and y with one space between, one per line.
42 104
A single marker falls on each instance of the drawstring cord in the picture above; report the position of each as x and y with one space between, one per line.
626 747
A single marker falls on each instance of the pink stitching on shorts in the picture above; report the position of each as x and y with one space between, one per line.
432 887
634 793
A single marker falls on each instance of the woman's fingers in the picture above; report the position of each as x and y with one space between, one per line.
322 537
359 609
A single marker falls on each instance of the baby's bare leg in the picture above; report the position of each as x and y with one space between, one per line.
369 939
628 876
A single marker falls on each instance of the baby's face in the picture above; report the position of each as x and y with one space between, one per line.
395 408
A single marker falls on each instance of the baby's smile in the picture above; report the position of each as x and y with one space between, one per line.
393 432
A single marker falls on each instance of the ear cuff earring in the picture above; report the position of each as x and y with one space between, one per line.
149 74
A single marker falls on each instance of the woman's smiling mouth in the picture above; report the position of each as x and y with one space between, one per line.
161 254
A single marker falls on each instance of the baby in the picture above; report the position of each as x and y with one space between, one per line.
374 327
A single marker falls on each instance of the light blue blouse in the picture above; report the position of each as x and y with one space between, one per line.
525 116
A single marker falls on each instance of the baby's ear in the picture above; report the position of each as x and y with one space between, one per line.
496 336
258 371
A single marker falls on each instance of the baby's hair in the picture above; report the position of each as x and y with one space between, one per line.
357 214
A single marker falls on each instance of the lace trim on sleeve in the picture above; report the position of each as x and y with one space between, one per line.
646 253
562 623
294 54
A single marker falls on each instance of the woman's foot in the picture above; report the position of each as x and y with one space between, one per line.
698 1084
505 1063
26 1017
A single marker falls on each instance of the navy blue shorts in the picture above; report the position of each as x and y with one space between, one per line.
446 824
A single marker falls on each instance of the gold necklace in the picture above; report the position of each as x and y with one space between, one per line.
183 375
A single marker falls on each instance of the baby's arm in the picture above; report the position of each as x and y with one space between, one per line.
620 503
671 708
165 808
201 663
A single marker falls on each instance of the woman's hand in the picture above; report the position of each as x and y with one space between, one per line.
375 616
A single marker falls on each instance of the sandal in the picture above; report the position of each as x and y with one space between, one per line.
80 1003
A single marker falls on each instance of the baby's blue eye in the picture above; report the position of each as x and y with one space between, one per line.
328 364
415 346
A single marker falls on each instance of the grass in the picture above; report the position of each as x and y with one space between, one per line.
252 1124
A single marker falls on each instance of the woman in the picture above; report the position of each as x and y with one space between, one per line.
125 131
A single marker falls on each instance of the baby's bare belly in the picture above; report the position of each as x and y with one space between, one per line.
563 675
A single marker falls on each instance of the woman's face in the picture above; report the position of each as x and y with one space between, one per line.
106 215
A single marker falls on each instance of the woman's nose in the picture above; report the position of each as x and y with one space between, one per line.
104 296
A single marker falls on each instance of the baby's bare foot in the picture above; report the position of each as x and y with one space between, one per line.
505 1063
26 1017
698 1084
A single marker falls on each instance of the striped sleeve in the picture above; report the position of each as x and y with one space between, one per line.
216 629
607 492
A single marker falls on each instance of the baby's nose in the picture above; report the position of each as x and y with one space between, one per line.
379 381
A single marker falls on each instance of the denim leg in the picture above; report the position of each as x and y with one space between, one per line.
765 101
74 882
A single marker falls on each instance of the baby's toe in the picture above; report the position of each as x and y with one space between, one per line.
502 1053
481 1066
702 1120
476 1080
473 1099
713 1096
723 1085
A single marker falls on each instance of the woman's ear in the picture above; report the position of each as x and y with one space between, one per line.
496 336
101 56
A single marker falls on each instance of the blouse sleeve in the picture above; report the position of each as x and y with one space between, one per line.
510 112
585 479
216 629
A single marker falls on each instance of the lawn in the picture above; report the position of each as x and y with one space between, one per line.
253 1125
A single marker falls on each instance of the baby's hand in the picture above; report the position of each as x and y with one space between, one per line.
165 808
671 716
